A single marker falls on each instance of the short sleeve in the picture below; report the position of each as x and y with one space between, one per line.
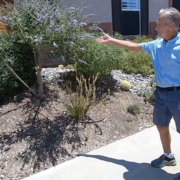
148 47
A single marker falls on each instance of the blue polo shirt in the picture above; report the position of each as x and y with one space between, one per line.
165 56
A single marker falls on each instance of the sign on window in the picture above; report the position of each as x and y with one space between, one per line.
130 5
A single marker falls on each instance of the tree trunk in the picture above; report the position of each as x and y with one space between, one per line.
38 56
40 83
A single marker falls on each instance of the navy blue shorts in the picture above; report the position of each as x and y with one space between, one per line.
167 105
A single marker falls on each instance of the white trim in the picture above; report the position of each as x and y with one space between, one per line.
130 9
139 18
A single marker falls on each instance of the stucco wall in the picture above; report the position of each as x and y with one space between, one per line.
155 6
102 9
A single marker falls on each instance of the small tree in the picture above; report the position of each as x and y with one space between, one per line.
46 26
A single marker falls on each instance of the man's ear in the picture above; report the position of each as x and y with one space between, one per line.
172 25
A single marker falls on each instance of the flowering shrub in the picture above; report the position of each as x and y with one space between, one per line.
93 58
44 26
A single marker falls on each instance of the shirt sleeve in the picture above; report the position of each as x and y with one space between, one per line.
148 47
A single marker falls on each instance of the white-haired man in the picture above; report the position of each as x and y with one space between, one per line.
165 56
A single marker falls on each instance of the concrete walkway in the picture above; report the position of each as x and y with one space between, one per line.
126 159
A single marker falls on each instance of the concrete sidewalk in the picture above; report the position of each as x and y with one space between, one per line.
126 159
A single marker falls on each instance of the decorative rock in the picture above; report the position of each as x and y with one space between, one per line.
139 83
61 66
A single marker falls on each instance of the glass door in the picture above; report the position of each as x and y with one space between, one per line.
131 17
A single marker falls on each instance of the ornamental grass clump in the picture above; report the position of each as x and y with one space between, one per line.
80 102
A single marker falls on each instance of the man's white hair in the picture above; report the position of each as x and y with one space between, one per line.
172 15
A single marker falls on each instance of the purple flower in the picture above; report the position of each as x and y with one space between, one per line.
48 30
54 44
72 8
82 49
9 60
87 17
84 36
81 61
73 22
62 58
61 28
98 29
70 42
38 39
57 14
82 24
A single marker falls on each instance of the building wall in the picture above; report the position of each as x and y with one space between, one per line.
155 6
101 9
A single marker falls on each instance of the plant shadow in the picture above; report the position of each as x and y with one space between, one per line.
47 142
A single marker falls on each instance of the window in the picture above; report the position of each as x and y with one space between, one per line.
130 5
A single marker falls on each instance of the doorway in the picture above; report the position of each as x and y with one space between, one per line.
130 17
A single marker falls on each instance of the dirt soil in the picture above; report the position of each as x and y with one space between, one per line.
35 135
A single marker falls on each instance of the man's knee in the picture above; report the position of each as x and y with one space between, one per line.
162 129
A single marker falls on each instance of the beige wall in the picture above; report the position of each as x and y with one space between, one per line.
155 6
102 9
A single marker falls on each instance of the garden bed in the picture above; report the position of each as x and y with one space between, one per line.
38 135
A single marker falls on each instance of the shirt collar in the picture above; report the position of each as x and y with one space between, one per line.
171 41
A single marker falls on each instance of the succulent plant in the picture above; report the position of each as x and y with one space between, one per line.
125 85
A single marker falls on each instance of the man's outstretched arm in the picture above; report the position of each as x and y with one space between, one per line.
106 39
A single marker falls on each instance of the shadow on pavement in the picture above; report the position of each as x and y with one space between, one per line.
137 171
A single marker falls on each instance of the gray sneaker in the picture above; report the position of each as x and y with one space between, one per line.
163 161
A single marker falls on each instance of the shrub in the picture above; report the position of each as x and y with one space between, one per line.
149 93
20 58
133 109
45 26
137 62
125 85
96 58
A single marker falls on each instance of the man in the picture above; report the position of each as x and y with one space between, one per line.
165 56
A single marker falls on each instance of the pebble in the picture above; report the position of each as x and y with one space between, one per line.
138 82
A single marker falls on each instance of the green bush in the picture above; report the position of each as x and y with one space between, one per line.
138 62
133 109
96 58
19 57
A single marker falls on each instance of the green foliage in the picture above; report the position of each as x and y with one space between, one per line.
93 58
133 109
19 57
118 36
125 85
79 103
138 62
149 94
45 27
